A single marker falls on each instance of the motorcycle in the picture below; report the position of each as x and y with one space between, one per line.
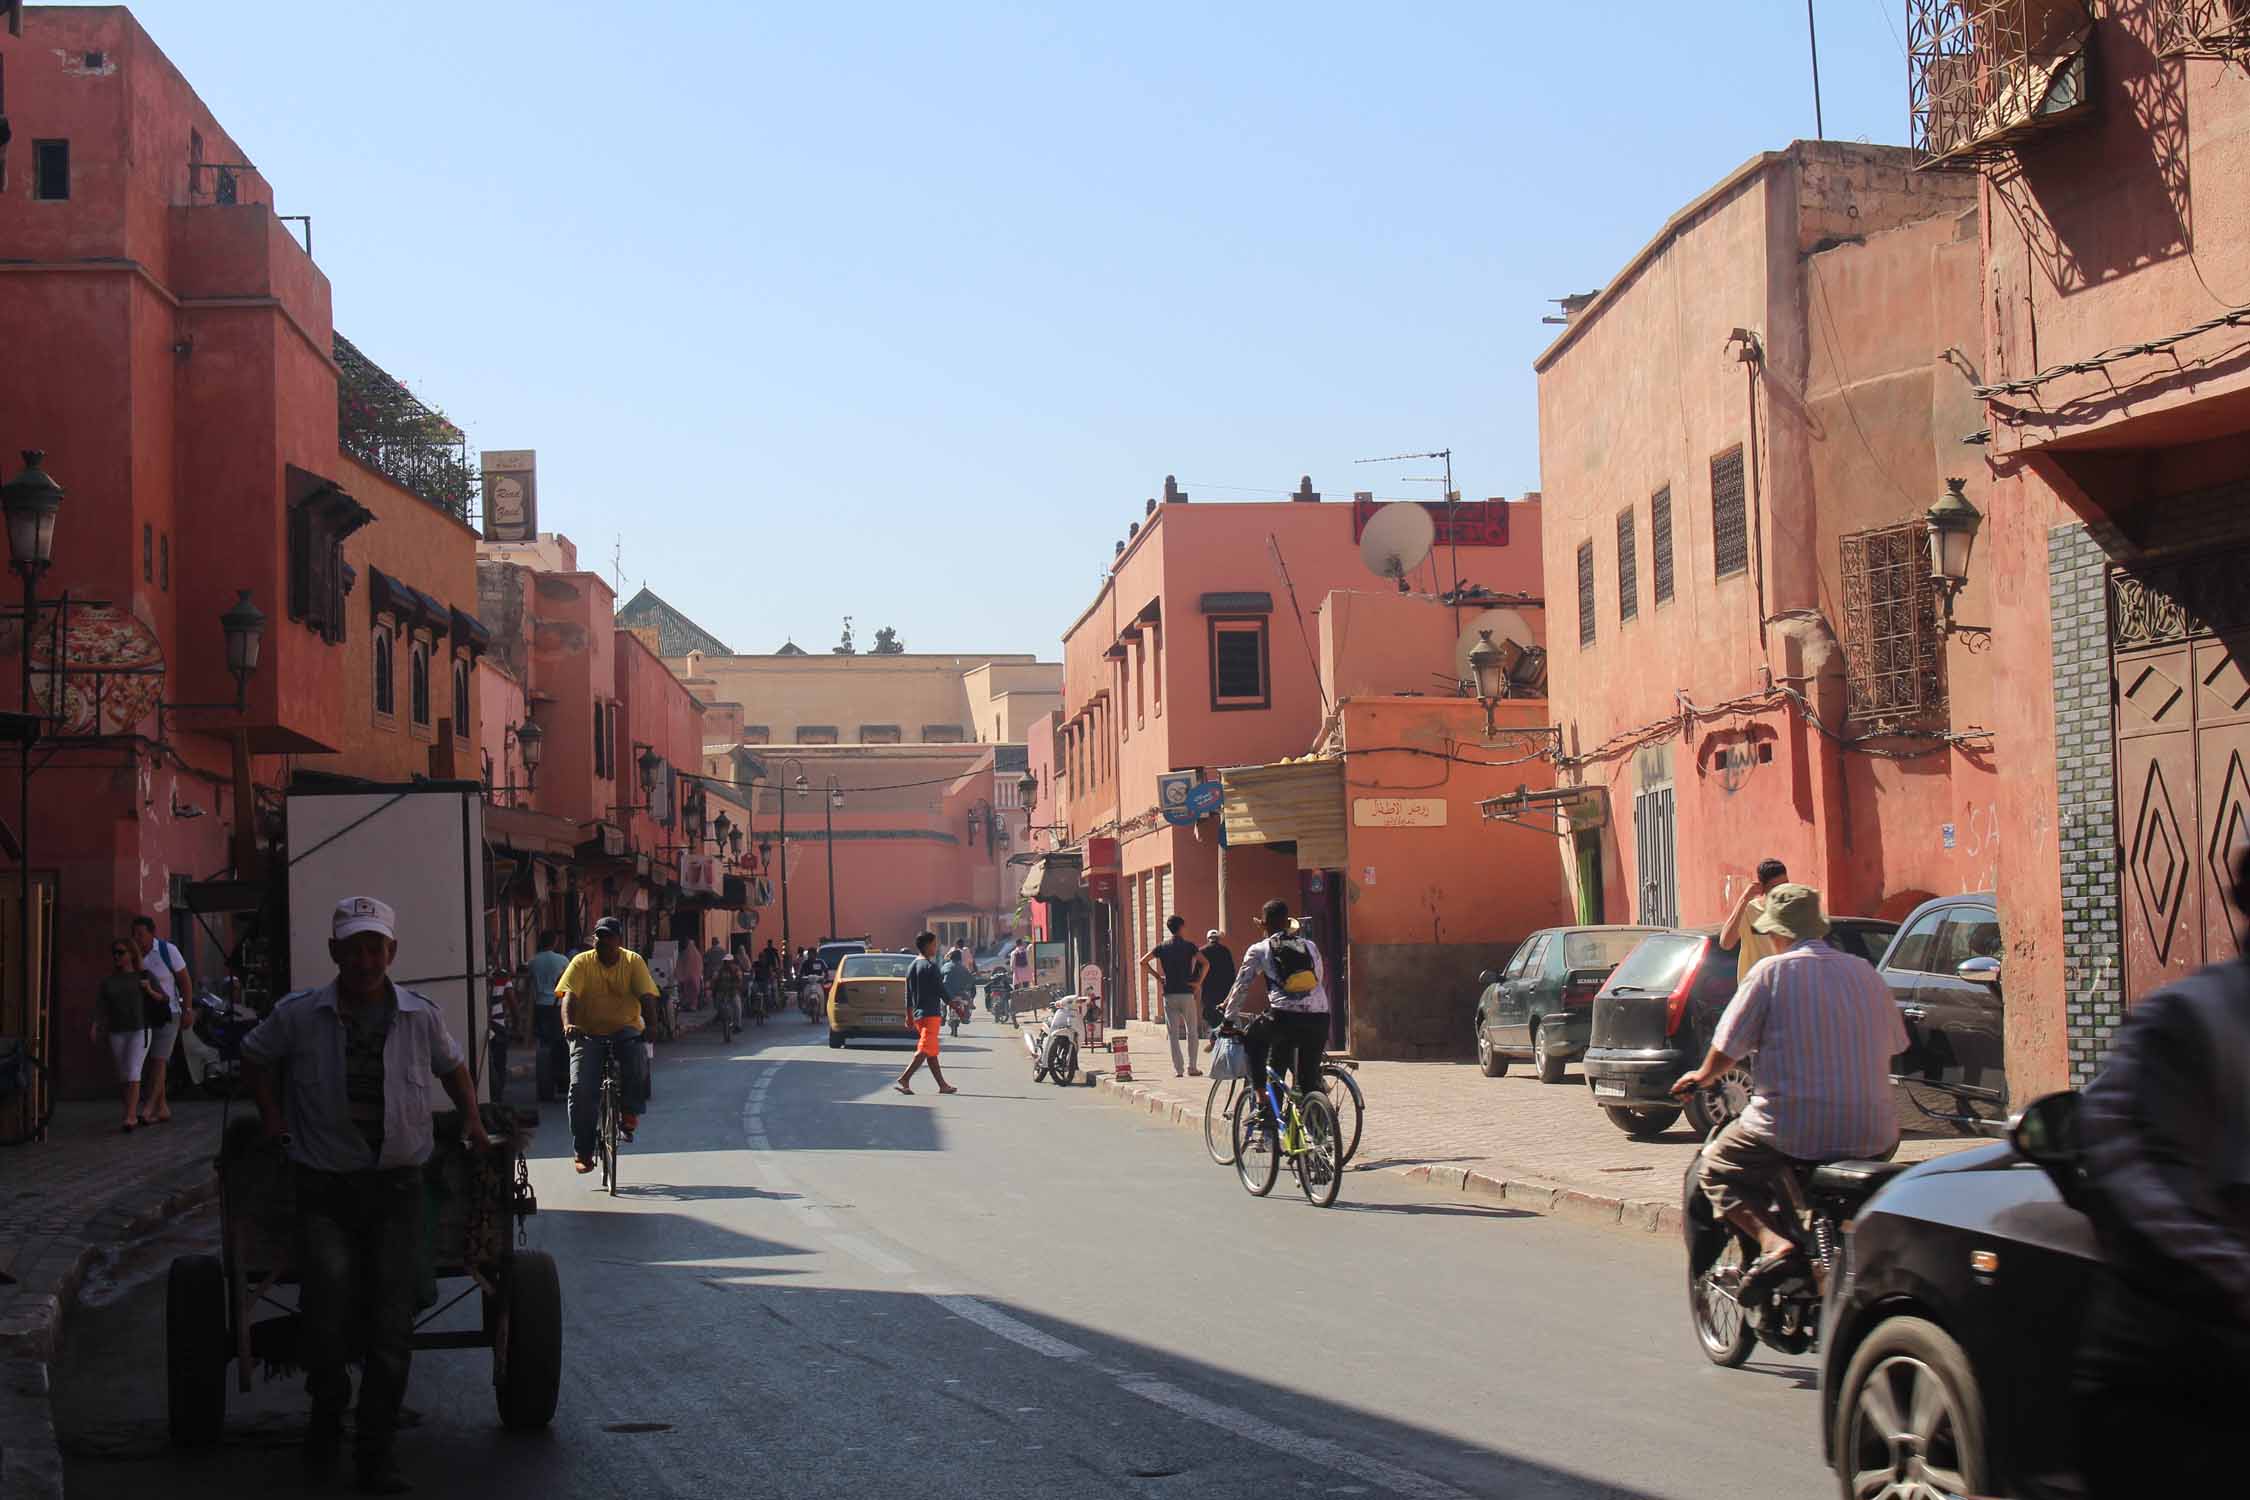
1054 1043
1783 1312
812 996
999 998
212 1048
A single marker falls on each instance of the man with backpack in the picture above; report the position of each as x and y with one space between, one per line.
168 971
1287 968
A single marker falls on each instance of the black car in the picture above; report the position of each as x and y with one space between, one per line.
1654 1019
1538 1009
1948 1339
1943 968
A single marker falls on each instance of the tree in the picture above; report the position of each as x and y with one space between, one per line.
845 646
887 643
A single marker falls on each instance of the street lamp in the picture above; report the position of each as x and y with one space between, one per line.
1489 665
835 800
31 501
1953 522
721 827
650 763
530 741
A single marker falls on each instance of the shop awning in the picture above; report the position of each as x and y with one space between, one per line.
531 832
1297 802
1054 877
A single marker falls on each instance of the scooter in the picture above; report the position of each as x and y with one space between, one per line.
1054 1043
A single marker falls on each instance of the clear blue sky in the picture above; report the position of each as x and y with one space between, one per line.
902 310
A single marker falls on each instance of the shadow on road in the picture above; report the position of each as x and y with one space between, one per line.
1441 1210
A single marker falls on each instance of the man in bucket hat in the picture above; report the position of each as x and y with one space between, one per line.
1821 1028
356 1058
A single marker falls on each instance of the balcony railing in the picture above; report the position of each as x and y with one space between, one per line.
388 428
1983 76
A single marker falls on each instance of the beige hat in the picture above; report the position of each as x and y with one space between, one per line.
358 914
1792 912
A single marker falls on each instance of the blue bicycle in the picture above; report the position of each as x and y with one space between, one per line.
1274 1124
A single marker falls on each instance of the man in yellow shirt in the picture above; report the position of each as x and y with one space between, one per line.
1741 934
601 994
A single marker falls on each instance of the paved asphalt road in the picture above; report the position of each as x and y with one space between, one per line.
813 1287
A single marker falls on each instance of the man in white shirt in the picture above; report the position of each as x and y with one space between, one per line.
167 969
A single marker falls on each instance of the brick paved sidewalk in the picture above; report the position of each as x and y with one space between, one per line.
1541 1146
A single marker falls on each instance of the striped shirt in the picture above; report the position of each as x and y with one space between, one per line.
1820 1029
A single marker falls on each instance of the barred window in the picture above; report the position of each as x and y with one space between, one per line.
1730 523
1628 568
1660 542
1585 593
1894 649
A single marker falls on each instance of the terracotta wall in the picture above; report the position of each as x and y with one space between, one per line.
573 665
782 693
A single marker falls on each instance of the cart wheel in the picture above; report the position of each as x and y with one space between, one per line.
196 1350
527 1348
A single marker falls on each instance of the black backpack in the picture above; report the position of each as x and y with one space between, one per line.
1293 965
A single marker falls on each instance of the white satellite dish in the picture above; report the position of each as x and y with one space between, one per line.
1397 540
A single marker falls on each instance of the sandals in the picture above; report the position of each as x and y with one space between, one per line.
1766 1270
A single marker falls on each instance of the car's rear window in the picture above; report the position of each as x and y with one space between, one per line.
1658 962
874 966
1598 950
1863 939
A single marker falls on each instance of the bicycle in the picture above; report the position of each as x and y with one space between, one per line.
730 1017
611 1123
1309 1141
1336 1082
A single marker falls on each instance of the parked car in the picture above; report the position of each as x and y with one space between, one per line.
1654 1019
1539 1008
868 997
1943 968
1950 1338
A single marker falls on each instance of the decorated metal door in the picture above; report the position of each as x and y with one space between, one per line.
2182 704
1653 840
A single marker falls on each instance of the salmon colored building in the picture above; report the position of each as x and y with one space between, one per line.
2115 264
1739 438
1194 656
216 438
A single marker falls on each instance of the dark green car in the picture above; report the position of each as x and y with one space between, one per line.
1540 1008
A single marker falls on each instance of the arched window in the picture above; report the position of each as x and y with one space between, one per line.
460 700
418 683
386 683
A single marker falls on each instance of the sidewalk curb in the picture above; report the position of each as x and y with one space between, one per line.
1642 1215
31 1466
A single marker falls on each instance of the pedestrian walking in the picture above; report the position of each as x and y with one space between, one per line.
356 1057
604 995
925 993
2164 1353
165 965
126 1003
1218 978
1179 966
550 1055
1741 935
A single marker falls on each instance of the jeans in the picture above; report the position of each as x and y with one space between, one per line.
1294 1041
551 1053
586 1054
496 1067
359 1251
1182 1017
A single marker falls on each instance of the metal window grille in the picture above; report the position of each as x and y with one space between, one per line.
1585 593
1660 542
1730 519
1628 568
2204 28
1894 649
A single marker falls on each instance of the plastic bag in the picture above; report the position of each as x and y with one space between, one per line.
1227 1060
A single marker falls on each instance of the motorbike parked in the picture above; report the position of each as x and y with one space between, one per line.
1784 1313
1054 1044
212 1048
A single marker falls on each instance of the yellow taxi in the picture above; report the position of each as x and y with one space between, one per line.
868 997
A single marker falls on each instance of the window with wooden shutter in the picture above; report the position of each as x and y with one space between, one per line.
1628 568
1660 542
1585 593
1730 518
1894 644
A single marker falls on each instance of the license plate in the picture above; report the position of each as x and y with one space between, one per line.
1608 1090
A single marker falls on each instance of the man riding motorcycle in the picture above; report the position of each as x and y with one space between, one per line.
960 983
1823 1028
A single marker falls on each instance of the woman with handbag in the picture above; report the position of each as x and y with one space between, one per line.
129 1008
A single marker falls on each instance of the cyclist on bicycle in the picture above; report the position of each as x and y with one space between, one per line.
1283 981
602 992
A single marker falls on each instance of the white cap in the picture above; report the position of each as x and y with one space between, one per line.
357 914
1212 936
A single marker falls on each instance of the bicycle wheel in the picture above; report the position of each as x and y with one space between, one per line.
1218 1119
609 1129
1319 1164
1350 1106
1257 1154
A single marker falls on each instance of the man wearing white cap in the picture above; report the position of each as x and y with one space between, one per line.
356 1057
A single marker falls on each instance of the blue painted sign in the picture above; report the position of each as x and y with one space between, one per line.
1172 790
1204 798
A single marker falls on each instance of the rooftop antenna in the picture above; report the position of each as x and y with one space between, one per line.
617 564
1452 499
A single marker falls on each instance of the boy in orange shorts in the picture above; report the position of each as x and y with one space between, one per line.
925 993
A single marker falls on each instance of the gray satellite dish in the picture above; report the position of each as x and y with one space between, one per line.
1397 540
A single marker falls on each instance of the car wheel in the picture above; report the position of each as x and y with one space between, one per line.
1490 1063
1708 1109
1641 1123
836 1039
1550 1064
1909 1418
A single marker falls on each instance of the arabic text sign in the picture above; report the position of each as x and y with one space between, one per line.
1398 812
